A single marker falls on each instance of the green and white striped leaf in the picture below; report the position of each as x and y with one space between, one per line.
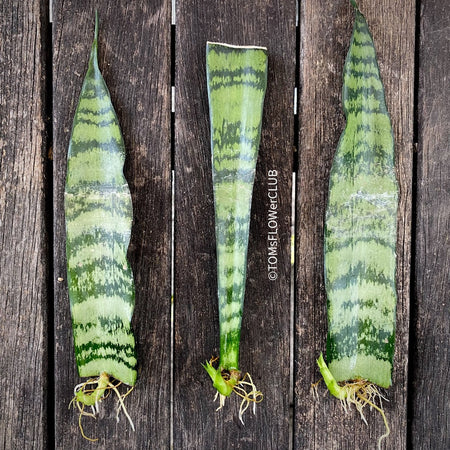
98 213
237 80
361 225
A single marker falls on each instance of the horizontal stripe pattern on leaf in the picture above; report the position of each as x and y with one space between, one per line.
361 226
98 213
237 79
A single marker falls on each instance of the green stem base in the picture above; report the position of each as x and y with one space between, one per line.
90 399
223 386
332 385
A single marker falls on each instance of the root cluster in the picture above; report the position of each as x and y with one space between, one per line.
91 393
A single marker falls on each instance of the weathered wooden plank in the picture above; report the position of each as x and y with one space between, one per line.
24 262
134 56
430 421
265 333
325 34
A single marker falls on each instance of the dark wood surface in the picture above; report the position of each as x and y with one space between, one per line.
430 402
24 237
42 68
128 54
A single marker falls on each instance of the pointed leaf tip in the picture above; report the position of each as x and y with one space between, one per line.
353 2
96 26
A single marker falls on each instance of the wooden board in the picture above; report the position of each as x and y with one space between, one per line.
265 333
24 237
136 59
430 406
325 29
134 56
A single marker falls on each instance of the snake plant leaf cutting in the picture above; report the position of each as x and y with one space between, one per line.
360 234
237 80
98 213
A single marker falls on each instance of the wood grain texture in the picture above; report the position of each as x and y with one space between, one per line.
134 57
265 332
24 245
325 29
430 420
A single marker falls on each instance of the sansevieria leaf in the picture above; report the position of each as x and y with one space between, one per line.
98 214
237 79
361 230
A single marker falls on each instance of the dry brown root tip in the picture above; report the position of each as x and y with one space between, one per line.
315 389
213 359
84 395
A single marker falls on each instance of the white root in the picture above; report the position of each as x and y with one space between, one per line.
103 387
252 396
